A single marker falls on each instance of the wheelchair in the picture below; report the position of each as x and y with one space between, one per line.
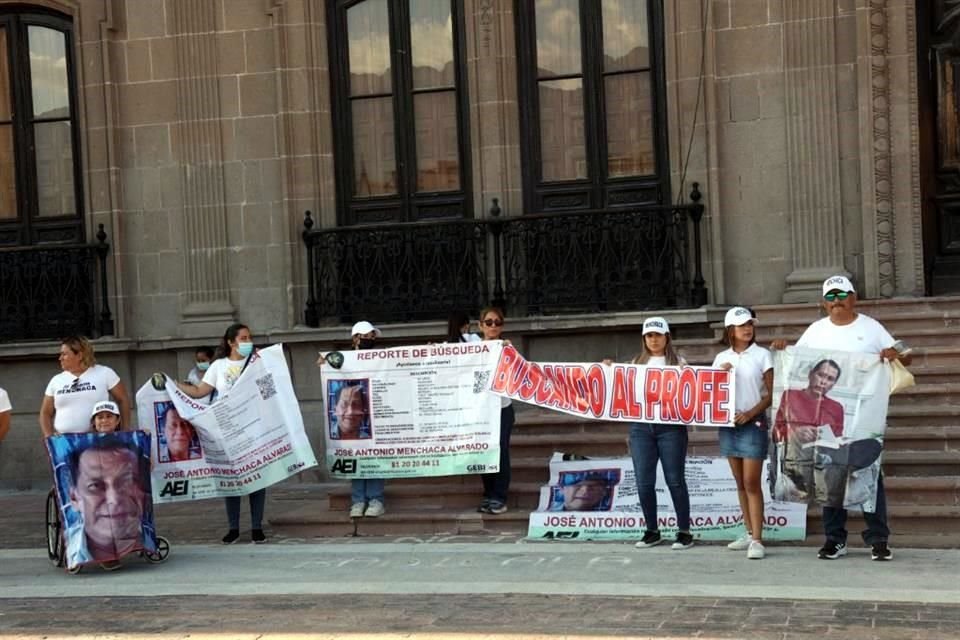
57 551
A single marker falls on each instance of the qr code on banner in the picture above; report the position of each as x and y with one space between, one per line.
480 381
266 386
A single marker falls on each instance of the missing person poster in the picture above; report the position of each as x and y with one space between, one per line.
625 392
411 411
103 492
250 438
831 414
596 499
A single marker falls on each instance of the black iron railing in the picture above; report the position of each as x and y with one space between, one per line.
50 291
551 263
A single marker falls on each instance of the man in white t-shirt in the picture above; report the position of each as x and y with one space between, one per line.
5 410
844 329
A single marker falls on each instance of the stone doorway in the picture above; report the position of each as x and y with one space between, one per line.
938 57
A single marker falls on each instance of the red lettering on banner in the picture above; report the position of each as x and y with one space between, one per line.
721 397
652 385
668 397
597 381
687 395
531 381
504 365
580 390
556 375
519 370
618 399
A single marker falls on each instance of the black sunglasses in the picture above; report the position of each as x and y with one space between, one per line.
493 323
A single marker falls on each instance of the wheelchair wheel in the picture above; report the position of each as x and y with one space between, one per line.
160 555
54 539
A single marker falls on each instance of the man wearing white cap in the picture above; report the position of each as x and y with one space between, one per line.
844 329
366 495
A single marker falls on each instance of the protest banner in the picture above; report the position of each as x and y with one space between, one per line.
624 392
412 411
103 490
596 499
831 412
250 438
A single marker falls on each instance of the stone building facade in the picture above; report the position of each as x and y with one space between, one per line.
206 128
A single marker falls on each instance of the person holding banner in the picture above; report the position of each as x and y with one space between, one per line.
745 445
71 394
497 485
845 329
234 353
351 413
667 444
5 410
458 328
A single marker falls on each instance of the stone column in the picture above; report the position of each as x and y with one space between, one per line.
813 153
205 302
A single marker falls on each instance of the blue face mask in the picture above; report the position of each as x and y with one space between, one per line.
245 348
203 366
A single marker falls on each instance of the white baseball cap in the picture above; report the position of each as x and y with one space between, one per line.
363 327
100 407
738 316
838 283
655 324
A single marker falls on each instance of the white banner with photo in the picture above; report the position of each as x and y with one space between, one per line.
411 411
596 499
250 438
830 413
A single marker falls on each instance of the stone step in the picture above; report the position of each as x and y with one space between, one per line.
938 526
431 493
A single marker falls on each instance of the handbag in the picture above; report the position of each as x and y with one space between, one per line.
900 377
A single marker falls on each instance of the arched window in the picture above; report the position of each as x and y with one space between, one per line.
40 174
399 130
592 103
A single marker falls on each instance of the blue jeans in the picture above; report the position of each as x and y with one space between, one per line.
496 485
258 500
668 444
363 490
835 520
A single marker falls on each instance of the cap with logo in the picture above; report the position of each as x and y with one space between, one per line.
108 406
655 325
838 283
363 327
738 316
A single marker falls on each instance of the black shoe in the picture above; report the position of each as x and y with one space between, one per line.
231 536
881 552
257 536
484 506
496 508
684 541
832 550
649 539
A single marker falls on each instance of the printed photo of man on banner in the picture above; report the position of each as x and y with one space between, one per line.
103 490
831 412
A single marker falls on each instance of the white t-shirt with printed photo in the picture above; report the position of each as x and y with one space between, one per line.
74 397
223 374
748 369
4 401
863 335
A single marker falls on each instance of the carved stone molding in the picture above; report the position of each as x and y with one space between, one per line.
200 145
916 204
813 153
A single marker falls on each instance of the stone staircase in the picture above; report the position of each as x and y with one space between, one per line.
921 463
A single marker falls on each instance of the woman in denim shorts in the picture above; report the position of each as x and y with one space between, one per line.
745 445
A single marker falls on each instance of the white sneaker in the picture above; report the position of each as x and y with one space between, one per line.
356 510
756 550
740 543
374 509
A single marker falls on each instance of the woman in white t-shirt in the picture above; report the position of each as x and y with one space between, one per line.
71 395
745 445
234 351
5 410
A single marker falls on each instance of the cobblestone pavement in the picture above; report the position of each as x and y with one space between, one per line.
493 617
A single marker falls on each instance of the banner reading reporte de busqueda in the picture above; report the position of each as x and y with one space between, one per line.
250 438
411 411
597 499
684 395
